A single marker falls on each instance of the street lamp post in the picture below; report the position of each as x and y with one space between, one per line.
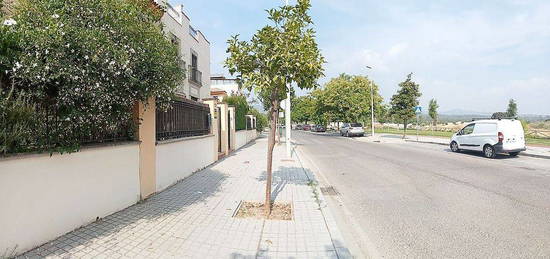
371 105
287 117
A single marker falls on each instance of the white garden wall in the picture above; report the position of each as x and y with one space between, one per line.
243 137
43 197
180 158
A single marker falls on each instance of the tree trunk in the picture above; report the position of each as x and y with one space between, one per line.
404 129
270 146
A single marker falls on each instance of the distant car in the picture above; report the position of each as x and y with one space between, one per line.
352 129
318 128
306 127
299 127
491 137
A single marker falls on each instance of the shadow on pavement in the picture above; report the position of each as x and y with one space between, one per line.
284 175
174 199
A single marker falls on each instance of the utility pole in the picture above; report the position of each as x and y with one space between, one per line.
287 117
371 105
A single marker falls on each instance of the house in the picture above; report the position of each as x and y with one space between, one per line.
220 83
194 51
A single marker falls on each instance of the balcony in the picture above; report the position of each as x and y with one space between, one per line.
195 76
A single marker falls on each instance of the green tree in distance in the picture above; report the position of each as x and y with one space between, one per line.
432 111
512 110
278 55
303 109
348 98
404 101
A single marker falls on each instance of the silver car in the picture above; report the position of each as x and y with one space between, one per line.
352 129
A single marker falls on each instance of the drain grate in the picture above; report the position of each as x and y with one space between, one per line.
329 190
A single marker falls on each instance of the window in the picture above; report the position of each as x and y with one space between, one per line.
356 125
194 61
468 129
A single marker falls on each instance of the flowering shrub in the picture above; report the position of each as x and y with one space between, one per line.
90 61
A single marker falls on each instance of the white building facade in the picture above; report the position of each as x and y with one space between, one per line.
193 48
229 85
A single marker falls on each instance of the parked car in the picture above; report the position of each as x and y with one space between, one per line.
299 127
318 128
306 127
352 129
491 137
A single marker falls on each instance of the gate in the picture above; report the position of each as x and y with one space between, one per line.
219 130
228 130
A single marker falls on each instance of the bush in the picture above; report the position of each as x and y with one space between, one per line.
241 110
16 120
90 61
261 119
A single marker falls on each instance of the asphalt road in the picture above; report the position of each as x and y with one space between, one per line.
422 201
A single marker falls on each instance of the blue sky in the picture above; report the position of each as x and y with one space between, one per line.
469 55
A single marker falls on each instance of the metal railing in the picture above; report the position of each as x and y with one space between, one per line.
186 118
195 76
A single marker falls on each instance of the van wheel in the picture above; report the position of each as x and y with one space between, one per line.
513 153
489 151
454 146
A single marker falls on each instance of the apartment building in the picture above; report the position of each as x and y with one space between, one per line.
193 48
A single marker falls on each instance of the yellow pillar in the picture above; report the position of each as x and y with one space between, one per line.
147 148
213 104
232 129
224 130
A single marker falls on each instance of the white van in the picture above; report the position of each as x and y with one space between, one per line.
490 137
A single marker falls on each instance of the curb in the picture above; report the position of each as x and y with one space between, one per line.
443 144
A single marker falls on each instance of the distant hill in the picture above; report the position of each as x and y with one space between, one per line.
465 112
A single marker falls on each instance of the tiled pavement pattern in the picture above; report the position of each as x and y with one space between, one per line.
193 218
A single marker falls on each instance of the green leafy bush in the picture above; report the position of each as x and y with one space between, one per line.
241 110
16 120
261 119
90 61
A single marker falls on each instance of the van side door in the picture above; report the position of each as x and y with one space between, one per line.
465 140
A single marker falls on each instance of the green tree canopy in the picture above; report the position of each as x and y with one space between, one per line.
432 110
278 55
348 98
512 110
303 109
403 102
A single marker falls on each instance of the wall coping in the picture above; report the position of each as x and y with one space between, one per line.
168 141
37 154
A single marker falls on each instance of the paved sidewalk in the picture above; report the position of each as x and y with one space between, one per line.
194 218
532 151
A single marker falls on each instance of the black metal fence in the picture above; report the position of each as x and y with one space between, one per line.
49 128
186 118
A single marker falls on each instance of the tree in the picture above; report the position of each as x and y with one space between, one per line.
433 111
303 109
512 110
348 98
403 102
278 55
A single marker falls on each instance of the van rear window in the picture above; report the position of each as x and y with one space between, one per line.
356 125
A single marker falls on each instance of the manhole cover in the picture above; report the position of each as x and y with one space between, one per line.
329 190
